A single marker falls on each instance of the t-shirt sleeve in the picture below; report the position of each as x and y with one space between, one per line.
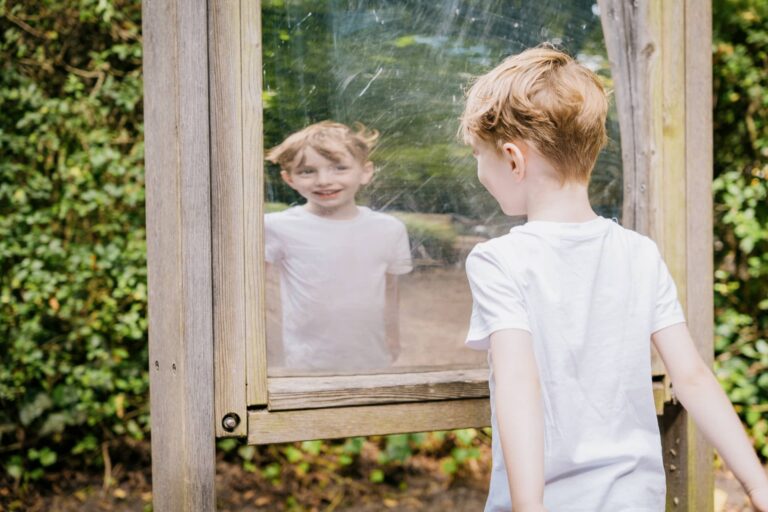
667 310
400 259
273 247
497 299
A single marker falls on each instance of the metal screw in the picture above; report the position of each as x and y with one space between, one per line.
672 467
230 421
676 500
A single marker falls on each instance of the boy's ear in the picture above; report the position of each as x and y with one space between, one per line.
287 178
514 155
367 173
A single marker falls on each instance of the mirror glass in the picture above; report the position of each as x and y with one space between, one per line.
381 287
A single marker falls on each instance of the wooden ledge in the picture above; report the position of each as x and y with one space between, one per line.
290 393
266 427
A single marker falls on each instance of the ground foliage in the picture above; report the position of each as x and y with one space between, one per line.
741 211
73 373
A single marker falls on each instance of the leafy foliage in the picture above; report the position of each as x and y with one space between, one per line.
741 210
305 473
72 253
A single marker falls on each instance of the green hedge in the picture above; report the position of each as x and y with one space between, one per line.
741 207
72 254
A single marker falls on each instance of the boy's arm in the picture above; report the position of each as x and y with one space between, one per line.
697 389
274 314
519 416
392 316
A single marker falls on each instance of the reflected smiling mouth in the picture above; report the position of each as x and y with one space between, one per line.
326 193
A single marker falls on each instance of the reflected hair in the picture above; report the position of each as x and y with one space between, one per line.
330 139
544 97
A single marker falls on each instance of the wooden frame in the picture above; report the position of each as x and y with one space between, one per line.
179 253
204 166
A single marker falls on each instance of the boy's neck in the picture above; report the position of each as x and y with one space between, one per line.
345 212
569 203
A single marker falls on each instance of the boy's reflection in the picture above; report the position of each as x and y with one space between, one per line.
338 262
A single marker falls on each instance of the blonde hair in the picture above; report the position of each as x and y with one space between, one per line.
329 139
544 97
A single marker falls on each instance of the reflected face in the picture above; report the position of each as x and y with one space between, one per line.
502 174
329 186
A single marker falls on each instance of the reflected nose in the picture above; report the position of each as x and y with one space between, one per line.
323 176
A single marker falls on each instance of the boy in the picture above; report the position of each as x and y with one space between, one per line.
567 305
338 262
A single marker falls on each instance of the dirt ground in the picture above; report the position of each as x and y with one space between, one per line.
241 491
435 306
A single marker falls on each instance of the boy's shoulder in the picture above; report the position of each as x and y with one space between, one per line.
525 242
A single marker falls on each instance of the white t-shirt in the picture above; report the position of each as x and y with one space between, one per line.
332 280
591 294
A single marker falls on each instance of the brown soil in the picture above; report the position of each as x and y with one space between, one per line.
420 488
435 306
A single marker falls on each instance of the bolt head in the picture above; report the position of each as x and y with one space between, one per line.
230 422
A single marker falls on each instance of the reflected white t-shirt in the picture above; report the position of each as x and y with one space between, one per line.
591 294
332 280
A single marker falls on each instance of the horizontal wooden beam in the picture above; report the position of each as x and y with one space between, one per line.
266 427
287 393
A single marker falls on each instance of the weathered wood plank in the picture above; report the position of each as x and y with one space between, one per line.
699 264
253 190
284 426
227 215
318 392
688 217
669 179
276 371
179 255
633 51
632 32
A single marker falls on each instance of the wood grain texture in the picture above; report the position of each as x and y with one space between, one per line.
285 426
632 32
633 51
669 183
179 255
688 217
699 265
253 190
227 214
317 392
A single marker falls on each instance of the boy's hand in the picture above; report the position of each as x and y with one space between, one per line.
759 499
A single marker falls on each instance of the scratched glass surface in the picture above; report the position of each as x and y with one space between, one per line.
401 68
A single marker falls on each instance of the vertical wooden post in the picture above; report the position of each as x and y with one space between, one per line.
688 201
227 217
179 253
662 51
